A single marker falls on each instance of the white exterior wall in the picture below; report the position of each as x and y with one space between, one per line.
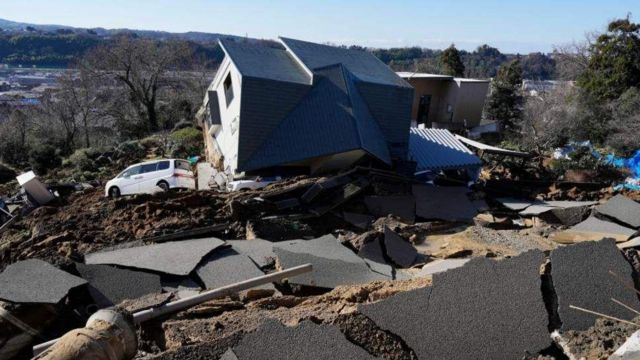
226 135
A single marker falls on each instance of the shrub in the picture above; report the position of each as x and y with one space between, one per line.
186 142
44 158
6 174
81 160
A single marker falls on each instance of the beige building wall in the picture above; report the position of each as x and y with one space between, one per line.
470 101
452 99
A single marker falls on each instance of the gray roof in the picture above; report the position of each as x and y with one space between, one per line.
353 101
438 149
261 61
362 64
333 118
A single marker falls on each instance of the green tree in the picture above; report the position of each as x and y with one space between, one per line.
451 62
614 62
505 100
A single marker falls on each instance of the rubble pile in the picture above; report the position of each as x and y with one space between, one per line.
390 259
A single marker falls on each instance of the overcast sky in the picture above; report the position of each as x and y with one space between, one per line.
510 25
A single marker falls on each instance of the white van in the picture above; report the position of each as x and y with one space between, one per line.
146 177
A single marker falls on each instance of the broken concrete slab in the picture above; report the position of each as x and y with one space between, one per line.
593 229
36 281
622 209
333 264
581 277
260 251
484 310
226 267
176 257
399 250
441 265
449 203
402 206
109 285
272 340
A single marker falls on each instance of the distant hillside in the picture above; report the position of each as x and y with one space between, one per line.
58 46
199 37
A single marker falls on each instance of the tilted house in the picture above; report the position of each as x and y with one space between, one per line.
303 106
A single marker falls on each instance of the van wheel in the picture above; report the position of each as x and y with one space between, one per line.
114 192
163 185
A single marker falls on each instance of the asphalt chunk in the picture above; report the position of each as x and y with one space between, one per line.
227 267
333 264
484 310
273 340
176 257
581 278
622 209
109 285
260 251
36 281
398 249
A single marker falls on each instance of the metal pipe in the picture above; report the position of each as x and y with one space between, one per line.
186 303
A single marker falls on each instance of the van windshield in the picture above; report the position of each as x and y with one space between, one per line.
183 165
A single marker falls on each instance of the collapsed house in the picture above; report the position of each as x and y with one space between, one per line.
300 107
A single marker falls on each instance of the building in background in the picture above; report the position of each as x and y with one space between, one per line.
443 101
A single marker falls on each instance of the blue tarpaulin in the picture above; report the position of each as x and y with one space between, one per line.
632 164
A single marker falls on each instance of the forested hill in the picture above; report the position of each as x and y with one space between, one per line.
58 46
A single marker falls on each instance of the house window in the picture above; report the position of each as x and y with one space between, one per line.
228 89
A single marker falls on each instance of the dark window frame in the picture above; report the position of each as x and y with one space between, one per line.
228 89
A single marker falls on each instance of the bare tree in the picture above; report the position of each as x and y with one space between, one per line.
573 59
139 64
79 93
547 118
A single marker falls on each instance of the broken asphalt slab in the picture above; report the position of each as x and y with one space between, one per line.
622 209
273 340
402 206
546 206
260 251
593 229
399 250
581 278
449 203
176 257
484 310
333 264
226 267
36 281
110 285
